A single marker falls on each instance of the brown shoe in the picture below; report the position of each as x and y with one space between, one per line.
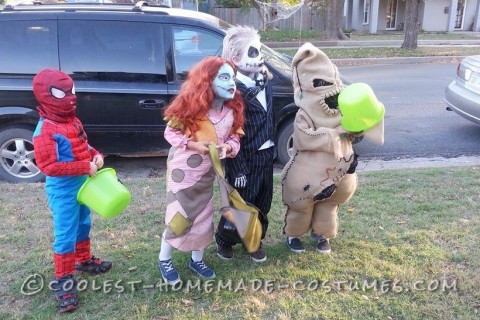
225 252
259 256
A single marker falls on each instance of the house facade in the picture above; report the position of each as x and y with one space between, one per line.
374 16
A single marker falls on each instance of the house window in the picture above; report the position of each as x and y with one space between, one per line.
366 11
391 14
460 14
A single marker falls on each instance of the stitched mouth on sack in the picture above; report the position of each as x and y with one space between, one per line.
332 102
331 98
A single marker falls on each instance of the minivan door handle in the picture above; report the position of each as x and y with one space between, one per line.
151 104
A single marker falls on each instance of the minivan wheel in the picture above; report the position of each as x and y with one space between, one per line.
17 159
285 142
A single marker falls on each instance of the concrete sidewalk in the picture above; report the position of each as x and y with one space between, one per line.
372 43
396 60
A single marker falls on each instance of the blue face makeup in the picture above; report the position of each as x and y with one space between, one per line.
224 83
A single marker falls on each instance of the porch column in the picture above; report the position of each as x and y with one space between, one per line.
476 20
348 14
356 13
374 16
452 15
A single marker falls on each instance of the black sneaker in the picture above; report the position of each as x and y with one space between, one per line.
315 237
295 245
259 256
64 289
200 268
93 266
225 252
323 246
168 272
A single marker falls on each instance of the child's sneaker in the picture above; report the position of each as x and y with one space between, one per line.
225 252
295 245
323 245
168 272
64 289
94 266
201 269
259 256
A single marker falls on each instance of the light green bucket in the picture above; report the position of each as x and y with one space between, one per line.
360 108
104 194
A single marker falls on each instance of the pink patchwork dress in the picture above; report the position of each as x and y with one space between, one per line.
190 178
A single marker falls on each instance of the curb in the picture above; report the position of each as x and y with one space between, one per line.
409 163
416 163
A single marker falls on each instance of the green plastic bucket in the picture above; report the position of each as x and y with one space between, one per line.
104 194
360 108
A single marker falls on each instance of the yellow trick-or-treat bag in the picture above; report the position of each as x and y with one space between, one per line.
241 214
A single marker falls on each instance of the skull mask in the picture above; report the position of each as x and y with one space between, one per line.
252 59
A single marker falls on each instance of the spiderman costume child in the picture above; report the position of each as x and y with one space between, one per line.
63 154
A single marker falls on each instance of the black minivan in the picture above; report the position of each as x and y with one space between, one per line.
128 62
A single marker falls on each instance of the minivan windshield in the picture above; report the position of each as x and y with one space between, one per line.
280 61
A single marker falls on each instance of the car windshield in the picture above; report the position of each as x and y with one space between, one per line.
279 60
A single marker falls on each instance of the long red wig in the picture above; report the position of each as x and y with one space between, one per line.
196 96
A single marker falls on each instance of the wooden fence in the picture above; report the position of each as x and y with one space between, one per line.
303 19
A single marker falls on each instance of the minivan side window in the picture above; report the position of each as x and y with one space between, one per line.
192 45
26 47
124 51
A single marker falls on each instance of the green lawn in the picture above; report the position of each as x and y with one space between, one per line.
294 35
351 51
407 248
389 52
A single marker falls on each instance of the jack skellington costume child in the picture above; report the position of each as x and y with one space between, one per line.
251 172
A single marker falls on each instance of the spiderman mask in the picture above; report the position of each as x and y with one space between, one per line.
55 92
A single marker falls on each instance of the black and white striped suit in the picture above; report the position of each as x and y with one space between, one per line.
255 164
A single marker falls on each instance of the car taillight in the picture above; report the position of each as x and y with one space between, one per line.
463 72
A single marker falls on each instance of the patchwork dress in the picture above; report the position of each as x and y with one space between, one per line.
190 178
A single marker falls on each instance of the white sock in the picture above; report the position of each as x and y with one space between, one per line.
165 250
197 255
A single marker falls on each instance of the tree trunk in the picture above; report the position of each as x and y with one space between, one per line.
333 19
411 24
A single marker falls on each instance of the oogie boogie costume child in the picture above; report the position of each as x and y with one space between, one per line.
321 174
63 154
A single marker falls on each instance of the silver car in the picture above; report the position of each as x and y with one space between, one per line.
463 94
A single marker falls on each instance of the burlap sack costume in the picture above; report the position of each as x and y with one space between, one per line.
321 173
